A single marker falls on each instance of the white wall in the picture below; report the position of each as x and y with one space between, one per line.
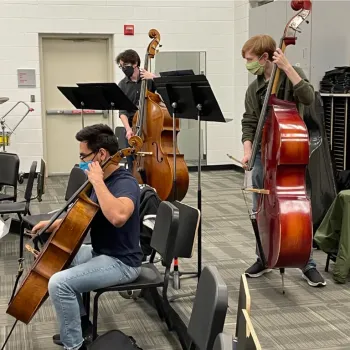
241 35
323 43
330 37
191 25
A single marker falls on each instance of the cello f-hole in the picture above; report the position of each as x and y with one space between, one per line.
157 152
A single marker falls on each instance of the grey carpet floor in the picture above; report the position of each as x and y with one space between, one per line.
303 318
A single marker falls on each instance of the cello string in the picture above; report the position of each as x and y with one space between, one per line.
9 335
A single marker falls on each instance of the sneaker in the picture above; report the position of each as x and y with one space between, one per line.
256 270
87 335
314 278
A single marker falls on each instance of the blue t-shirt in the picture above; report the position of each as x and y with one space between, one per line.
120 242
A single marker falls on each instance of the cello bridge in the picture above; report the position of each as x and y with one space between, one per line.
142 154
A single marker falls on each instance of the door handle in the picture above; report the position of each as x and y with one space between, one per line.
76 112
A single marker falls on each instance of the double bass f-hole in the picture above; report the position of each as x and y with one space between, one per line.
157 152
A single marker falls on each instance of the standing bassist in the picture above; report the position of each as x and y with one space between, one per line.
260 54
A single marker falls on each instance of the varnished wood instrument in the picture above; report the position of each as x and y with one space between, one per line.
153 123
284 216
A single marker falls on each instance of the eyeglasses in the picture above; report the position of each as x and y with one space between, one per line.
121 66
83 156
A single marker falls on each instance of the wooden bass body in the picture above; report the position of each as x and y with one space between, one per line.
157 170
284 216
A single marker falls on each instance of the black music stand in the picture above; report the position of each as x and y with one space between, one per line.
84 98
114 97
190 97
177 73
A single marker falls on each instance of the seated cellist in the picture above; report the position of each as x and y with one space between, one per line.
260 54
115 254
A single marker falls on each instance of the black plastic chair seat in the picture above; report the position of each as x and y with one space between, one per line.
15 208
6 197
149 277
32 220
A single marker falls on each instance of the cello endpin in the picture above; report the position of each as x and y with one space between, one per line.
282 276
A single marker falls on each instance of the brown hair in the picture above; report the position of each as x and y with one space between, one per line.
129 56
259 44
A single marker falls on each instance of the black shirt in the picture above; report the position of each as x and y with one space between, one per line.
132 90
120 242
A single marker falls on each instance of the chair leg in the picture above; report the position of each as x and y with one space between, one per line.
159 304
86 302
95 316
21 236
327 262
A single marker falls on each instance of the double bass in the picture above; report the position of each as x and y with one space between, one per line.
284 216
157 165
62 246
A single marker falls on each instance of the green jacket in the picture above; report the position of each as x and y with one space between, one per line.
333 235
302 94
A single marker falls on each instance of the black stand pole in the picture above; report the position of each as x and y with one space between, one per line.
174 105
194 100
199 190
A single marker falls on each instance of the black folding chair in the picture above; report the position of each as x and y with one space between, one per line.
188 229
76 179
207 319
9 170
41 181
163 242
209 310
21 208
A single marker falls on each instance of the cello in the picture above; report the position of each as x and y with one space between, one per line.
158 165
62 246
283 221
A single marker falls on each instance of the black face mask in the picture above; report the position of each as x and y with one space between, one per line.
128 71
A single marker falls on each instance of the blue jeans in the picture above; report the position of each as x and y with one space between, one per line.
258 182
88 272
